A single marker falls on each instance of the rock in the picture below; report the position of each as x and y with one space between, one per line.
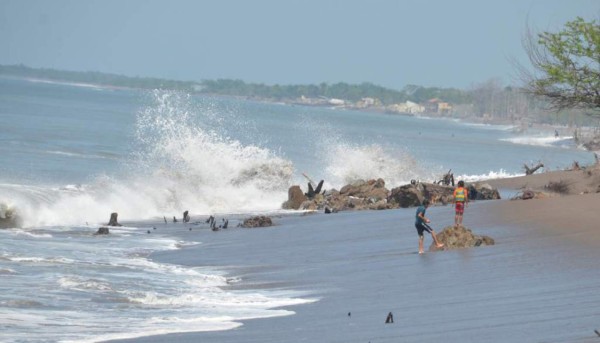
406 196
102 231
9 218
413 194
258 221
458 238
295 198
482 191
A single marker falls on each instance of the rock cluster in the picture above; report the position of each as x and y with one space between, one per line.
373 195
258 221
460 237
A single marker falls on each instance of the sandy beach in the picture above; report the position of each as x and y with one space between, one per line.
537 284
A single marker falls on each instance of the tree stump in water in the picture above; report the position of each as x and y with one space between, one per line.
113 220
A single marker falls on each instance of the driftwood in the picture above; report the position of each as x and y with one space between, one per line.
312 191
529 171
113 220
446 180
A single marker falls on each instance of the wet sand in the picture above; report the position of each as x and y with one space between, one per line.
539 283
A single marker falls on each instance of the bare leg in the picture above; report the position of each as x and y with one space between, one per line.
421 245
437 243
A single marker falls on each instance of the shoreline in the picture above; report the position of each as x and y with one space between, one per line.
352 262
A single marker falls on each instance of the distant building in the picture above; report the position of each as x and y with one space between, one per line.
437 106
407 107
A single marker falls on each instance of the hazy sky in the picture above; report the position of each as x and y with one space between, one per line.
447 43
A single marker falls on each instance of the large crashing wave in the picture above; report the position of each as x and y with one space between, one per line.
182 162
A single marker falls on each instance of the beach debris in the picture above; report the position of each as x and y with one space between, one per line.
460 237
258 221
447 179
531 170
186 217
560 187
390 318
530 194
113 220
102 231
210 220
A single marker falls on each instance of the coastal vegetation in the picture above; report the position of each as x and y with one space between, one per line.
566 66
488 101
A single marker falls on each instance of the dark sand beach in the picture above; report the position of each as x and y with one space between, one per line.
538 283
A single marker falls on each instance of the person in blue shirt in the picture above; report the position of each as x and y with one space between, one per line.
421 225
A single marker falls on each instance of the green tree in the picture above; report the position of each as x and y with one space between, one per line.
566 66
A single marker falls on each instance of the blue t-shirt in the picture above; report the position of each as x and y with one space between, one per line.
418 219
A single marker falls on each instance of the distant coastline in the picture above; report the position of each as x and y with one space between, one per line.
476 105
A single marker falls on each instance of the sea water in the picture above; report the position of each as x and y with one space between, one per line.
72 154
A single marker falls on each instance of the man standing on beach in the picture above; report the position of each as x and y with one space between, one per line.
461 199
421 225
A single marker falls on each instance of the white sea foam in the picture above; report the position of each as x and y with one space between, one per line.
181 165
489 176
351 163
545 141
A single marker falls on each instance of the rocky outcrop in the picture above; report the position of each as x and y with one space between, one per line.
9 218
258 221
414 194
373 195
460 237
102 231
295 198
482 191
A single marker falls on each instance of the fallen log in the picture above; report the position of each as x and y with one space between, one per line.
529 171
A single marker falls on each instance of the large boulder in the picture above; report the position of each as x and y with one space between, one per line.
295 198
406 196
372 189
460 237
482 191
413 194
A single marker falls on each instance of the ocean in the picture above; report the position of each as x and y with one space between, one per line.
72 154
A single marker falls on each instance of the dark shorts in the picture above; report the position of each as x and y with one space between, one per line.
460 207
422 227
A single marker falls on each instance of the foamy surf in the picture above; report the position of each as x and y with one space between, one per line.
123 285
544 141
